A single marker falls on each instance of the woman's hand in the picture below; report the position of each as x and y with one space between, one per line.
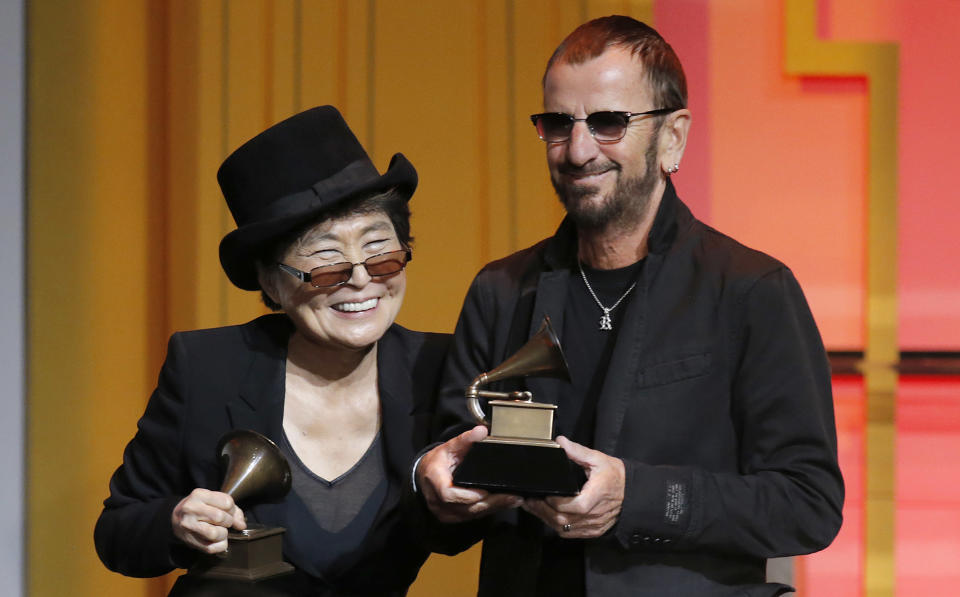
202 518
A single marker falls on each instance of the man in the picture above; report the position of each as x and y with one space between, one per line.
700 403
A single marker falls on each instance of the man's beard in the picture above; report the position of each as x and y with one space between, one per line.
626 205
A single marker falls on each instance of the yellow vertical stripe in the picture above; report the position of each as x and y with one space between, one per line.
88 242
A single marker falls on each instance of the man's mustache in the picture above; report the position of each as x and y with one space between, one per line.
568 170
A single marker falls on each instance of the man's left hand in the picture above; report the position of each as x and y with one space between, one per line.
597 508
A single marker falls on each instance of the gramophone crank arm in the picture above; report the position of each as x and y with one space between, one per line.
518 395
473 395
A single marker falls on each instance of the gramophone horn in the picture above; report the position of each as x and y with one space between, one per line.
540 356
255 469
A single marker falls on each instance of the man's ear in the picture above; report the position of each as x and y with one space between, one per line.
673 139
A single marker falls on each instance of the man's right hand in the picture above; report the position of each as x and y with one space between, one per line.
448 502
202 518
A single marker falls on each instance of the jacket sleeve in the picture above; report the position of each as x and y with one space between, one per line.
472 352
134 534
787 496
469 353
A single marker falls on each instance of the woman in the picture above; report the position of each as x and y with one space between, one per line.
346 393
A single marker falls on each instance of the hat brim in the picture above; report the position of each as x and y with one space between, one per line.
240 249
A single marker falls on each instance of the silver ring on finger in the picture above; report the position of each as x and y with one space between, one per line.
566 528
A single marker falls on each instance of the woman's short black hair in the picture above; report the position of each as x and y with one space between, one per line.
392 203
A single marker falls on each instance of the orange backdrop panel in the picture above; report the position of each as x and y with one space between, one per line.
134 103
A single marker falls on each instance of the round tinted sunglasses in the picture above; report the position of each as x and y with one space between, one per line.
338 274
606 127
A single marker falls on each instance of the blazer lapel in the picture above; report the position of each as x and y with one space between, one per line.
395 387
621 375
258 405
550 301
621 378
396 401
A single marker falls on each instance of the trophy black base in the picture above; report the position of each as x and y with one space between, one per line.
252 555
526 469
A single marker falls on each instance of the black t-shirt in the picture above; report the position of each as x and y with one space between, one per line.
588 350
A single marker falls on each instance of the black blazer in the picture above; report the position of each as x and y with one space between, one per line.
228 378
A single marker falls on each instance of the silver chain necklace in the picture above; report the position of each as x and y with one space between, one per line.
605 322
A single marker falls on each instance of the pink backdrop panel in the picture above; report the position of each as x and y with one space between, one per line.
686 25
838 570
788 163
929 264
928 486
928 122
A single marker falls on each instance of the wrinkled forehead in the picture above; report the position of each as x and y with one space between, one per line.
346 228
350 225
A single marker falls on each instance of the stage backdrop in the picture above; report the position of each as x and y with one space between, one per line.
822 133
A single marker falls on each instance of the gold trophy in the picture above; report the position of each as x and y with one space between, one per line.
256 472
520 456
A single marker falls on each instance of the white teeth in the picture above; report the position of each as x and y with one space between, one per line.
353 307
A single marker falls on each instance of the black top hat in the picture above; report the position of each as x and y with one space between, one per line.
289 175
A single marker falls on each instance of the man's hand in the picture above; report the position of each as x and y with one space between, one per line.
448 502
597 508
202 518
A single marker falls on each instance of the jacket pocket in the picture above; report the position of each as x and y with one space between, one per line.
674 371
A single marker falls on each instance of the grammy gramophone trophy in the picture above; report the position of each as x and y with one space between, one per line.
255 472
520 456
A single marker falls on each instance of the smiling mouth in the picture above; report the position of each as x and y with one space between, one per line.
576 174
355 307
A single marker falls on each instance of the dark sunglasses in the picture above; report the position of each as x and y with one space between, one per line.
338 274
606 127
